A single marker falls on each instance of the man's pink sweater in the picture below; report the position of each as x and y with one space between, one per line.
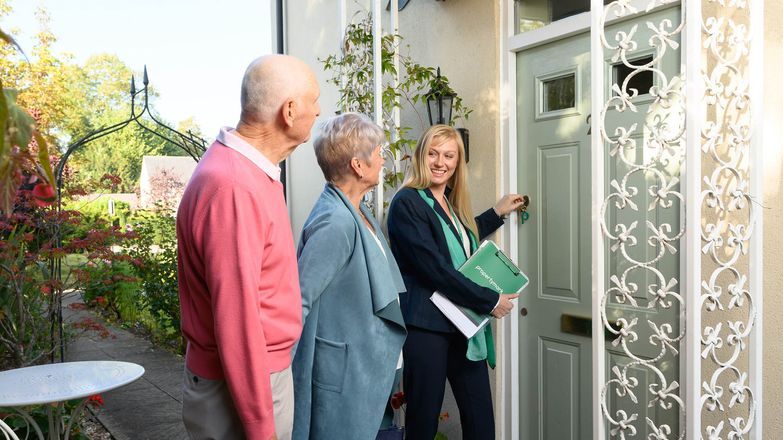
238 281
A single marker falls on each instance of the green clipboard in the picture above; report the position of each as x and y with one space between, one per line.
488 267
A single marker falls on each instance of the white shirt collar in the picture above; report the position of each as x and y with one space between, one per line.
228 138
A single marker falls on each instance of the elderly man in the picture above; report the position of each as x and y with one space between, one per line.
238 280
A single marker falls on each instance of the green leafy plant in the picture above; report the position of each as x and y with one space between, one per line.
113 286
154 252
24 310
352 72
94 214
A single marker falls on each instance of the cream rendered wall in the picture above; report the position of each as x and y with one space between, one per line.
773 220
461 36
311 33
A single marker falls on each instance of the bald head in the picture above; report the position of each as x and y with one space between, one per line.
269 82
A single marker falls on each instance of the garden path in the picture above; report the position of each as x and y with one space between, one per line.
151 407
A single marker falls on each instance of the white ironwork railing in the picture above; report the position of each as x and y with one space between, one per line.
691 64
694 145
729 217
598 194
646 148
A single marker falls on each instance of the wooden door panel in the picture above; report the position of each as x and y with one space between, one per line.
560 389
559 226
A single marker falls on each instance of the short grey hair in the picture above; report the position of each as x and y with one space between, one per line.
342 138
268 81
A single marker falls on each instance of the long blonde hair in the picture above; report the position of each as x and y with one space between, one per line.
419 176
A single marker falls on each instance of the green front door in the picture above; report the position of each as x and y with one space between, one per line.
553 101
553 150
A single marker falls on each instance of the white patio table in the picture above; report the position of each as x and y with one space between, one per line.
58 383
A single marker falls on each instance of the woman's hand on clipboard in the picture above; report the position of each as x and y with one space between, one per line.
505 305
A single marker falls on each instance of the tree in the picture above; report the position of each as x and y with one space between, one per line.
47 84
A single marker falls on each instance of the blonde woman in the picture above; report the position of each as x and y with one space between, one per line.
432 232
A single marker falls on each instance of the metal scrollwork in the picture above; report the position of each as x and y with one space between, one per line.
729 214
650 150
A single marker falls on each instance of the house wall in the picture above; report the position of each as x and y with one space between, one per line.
317 39
461 36
773 220
453 35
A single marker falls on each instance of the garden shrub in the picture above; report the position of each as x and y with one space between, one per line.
113 286
94 214
154 252
30 291
40 415
24 302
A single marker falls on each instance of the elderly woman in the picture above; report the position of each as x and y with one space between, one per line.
432 232
345 363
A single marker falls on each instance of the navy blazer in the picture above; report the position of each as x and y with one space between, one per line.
422 253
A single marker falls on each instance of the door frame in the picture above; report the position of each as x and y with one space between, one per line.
509 45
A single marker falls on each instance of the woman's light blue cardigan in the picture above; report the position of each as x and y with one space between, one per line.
345 361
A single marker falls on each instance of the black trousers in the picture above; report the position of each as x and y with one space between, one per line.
431 358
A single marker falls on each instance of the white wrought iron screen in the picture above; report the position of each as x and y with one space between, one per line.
642 135
674 151
728 293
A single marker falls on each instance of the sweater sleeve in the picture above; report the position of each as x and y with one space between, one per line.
409 229
233 238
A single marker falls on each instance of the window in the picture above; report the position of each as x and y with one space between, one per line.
559 93
642 81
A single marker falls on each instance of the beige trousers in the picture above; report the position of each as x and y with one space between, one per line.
209 413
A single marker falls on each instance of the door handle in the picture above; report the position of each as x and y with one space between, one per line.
583 326
589 127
